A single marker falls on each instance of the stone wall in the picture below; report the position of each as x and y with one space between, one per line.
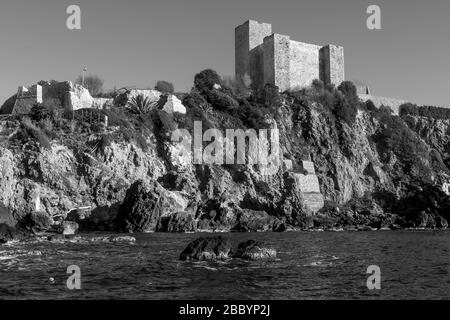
277 61
309 186
249 38
304 64
394 104
332 64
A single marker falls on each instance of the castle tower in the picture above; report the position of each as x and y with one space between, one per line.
332 64
249 38
277 61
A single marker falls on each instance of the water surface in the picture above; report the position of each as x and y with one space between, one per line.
311 265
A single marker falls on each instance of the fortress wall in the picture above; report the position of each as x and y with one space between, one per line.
394 104
248 37
332 64
304 65
277 61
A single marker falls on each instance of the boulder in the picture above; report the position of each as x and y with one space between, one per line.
40 221
441 223
173 104
69 228
255 251
78 98
209 249
145 204
6 217
181 222
255 221
7 233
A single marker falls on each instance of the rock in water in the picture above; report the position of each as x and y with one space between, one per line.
181 222
40 221
7 233
145 204
209 249
254 250
255 221
6 217
69 228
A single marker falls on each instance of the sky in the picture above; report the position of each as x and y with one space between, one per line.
137 42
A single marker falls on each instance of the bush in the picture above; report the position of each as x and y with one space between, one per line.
370 106
33 132
397 137
349 90
93 83
239 87
345 109
253 116
40 112
222 101
425 111
194 100
206 79
164 87
271 95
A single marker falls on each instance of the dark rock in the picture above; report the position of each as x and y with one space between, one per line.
40 221
7 233
180 222
441 223
6 217
254 221
209 249
144 205
255 251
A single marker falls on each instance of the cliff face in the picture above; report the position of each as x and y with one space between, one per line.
367 169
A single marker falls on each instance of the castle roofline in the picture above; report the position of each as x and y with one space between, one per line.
251 21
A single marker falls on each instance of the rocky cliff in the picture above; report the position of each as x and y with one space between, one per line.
375 169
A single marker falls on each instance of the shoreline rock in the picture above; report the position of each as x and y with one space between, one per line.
208 249
255 251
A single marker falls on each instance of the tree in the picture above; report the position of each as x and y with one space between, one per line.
164 87
206 79
93 83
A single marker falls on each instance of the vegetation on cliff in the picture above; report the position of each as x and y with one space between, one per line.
375 169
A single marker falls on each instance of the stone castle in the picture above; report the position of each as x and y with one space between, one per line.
270 58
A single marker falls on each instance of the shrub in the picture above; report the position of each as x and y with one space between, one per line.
166 121
239 87
344 109
206 79
40 112
318 85
397 137
35 133
349 90
424 111
370 106
164 86
221 100
253 116
194 100
271 95
93 83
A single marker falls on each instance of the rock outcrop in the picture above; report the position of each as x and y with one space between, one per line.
208 249
255 251
146 203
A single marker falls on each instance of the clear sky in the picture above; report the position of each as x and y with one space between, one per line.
136 42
